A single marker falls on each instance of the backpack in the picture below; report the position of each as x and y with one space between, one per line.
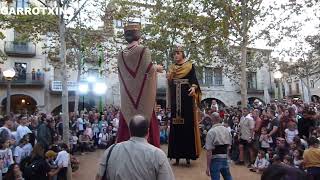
33 168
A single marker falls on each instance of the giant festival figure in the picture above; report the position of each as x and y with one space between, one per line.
183 97
137 77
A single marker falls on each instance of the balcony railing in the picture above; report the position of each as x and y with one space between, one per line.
20 49
26 79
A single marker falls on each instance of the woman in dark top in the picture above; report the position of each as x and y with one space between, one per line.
36 166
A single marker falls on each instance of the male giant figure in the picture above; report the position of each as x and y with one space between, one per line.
137 76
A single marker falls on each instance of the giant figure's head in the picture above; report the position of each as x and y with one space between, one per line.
132 32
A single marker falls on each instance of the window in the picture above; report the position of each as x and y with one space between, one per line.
252 80
218 76
311 83
290 89
208 72
22 3
297 88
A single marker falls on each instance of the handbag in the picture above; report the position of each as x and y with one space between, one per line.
105 174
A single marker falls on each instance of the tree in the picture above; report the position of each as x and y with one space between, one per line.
80 38
306 66
171 23
248 21
217 32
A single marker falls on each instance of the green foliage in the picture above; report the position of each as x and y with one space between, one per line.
43 27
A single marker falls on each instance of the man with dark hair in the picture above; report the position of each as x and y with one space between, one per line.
246 137
22 128
135 159
44 134
281 172
218 142
273 125
5 130
137 77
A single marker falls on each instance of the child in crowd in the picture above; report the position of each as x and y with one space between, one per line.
19 152
297 158
292 148
261 163
28 146
50 157
291 132
269 154
265 140
74 142
5 155
287 160
96 131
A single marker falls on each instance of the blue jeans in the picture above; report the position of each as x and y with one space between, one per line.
220 165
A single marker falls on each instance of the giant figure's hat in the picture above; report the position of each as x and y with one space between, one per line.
132 27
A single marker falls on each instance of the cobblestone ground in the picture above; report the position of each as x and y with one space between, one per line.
89 166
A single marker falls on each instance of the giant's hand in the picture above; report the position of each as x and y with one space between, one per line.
192 91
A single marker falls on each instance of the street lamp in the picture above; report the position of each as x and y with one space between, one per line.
8 75
100 88
278 75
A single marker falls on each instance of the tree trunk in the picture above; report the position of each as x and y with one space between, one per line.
243 81
244 44
64 98
243 65
76 98
308 89
64 75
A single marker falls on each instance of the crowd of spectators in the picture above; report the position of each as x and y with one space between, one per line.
285 133
31 145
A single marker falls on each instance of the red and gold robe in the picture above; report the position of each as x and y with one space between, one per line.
138 86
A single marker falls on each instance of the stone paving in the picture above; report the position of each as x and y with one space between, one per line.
89 166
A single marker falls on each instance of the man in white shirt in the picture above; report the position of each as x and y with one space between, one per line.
22 128
62 161
246 130
80 123
5 130
218 142
144 162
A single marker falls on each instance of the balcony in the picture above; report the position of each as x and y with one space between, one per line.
20 49
27 79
